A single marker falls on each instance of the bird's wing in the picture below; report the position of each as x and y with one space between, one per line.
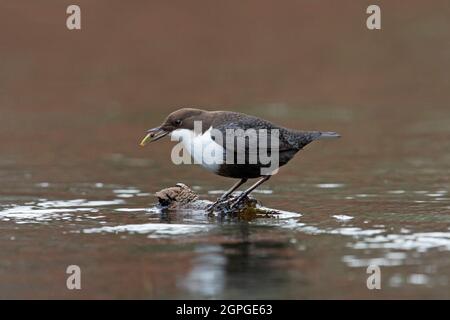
252 134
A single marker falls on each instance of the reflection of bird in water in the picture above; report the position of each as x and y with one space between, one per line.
180 124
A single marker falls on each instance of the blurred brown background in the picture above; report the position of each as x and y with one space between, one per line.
133 62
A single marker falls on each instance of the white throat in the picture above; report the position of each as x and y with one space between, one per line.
202 148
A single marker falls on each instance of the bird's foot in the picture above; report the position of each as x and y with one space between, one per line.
223 205
211 207
215 205
237 203
227 204
231 204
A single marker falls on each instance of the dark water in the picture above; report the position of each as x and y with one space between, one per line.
390 209
76 189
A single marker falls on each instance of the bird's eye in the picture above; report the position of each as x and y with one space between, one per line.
178 122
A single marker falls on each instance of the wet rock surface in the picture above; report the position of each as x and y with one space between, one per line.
183 197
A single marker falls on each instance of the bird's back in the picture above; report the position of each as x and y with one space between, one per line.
289 139
289 142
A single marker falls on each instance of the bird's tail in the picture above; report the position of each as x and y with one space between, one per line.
328 135
302 138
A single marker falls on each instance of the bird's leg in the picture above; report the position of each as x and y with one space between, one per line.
231 190
227 194
249 190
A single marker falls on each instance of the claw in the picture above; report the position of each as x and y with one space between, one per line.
235 203
221 200
210 207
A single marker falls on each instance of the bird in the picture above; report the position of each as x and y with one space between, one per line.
181 126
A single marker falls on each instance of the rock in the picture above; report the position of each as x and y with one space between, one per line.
181 197
176 197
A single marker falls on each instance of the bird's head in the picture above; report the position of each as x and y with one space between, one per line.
181 119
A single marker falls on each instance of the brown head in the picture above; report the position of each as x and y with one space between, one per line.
181 119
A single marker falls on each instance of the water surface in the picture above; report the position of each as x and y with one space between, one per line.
346 213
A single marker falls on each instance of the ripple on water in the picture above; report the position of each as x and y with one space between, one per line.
127 193
78 203
130 191
45 210
153 229
345 231
398 280
421 241
137 210
329 185
396 191
29 214
389 259
342 217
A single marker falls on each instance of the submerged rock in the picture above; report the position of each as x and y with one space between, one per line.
182 197
176 197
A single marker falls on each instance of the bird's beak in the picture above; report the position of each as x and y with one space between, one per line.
153 135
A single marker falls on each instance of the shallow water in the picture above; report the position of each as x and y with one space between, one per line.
76 189
342 214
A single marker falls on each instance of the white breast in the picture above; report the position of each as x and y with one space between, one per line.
203 149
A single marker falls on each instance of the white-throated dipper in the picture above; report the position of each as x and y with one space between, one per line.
212 139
